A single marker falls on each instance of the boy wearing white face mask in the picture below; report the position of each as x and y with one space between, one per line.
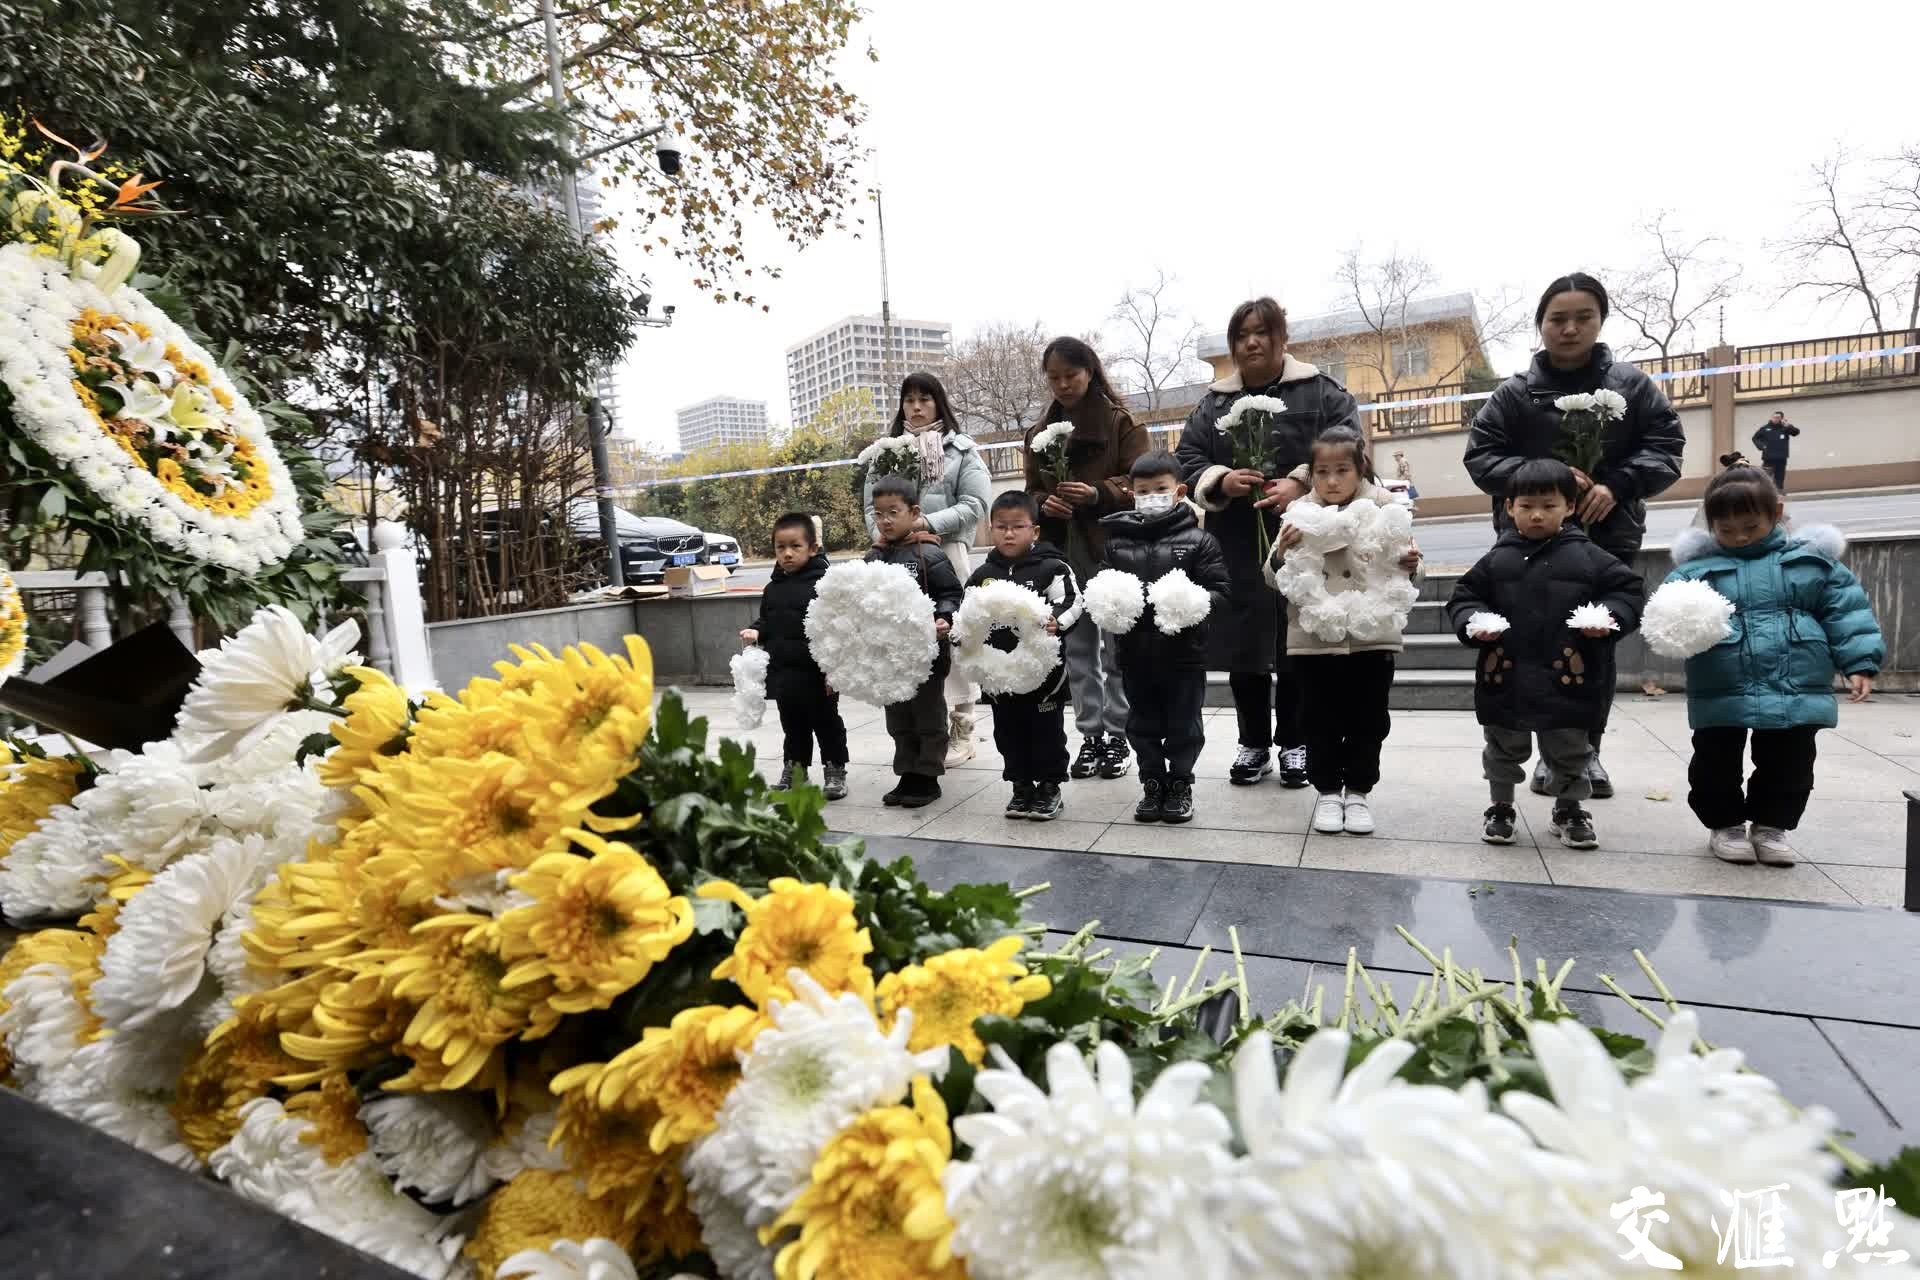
1165 675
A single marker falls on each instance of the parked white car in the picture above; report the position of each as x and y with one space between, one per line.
722 550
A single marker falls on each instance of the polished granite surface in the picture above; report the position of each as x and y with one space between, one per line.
81 1203
1821 998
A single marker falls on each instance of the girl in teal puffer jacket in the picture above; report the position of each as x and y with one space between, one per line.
1799 617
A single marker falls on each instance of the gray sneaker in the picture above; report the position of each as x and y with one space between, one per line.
1771 847
835 781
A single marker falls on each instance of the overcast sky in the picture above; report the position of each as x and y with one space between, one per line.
1039 156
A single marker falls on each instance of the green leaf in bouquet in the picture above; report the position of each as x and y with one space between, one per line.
314 744
1898 1177
1448 1055
956 1085
713 915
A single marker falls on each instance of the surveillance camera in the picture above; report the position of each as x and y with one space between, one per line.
668 310
669 158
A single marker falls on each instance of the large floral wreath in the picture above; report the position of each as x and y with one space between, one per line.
141 414
1374 538
870 628
1035 654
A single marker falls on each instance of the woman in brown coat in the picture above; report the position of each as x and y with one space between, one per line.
1102 449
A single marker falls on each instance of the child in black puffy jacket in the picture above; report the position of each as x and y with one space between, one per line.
795 683
918 726
1165 675
1029 729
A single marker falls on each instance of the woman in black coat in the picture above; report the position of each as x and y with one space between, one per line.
1641 455
1254 632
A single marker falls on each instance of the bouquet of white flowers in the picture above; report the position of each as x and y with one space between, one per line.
1583 427
1115 600
1589 616
749 668
997 604
870 628
1246 426
891 456
1178 602
1683 619
1050 445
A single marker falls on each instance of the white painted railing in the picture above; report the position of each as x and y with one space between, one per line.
395 635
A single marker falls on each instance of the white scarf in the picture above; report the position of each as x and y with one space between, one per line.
932 439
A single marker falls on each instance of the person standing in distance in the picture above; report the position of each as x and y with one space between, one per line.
1641 454
1775 442
1266 693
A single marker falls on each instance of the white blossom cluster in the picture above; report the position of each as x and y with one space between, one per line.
1115 600
749 668
1683 619
1374 538
1003 603
870 627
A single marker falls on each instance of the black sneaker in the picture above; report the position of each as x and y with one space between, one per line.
1178 806
899 792
1115 760
1092 753
1500 823
925 791
1541 776
1597 777
1249 766
1021 805
1046 804
1152 800
1573 827
1293 768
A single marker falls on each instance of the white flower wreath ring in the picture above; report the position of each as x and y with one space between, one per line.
1374 537
182 454
1036 652
870 627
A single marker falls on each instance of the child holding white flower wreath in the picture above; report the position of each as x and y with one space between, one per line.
1345 681
1029 729
918 726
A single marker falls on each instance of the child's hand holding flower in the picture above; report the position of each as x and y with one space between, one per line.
941 626
749 636
1410 559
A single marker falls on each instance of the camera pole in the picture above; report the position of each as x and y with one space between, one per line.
596 412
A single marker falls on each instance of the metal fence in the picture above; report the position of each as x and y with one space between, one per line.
1685 386
1761 383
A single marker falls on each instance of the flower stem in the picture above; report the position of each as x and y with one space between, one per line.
1607 980
1032 889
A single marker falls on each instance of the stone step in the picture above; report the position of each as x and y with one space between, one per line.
1428 618
1435 653
1438 586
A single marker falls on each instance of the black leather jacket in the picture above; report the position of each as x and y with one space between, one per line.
1642 452
1150 547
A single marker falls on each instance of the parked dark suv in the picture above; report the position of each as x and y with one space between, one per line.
649 545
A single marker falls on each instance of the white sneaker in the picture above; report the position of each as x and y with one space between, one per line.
1359 816
1730 844
959 751
1771 847
1330 813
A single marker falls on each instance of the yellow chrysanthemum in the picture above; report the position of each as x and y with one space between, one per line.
685 1070
455 973
471 817
13 628
810 927
333 1108
470 726
349 1024
30 789
584 707
237 1064
596 925
875 1209
538 1207
373 729
951 990
608 1149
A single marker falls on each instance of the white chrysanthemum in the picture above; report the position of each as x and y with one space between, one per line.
749 668
1592 615
41 1024
822 1063
733 1244
57 869
1480 622
288 806
1271 405
870 628
597 1259
1115 599
1049 437
157 956
1349 1174
258 676
1691 1128
431 1143
353 1202
892 456
1610 405
147 808
122 1084
489 893
526 1147
1004 603
1685 618
1178 602
1578 403
1082 1182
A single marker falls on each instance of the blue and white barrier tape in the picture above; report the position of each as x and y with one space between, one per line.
1388 406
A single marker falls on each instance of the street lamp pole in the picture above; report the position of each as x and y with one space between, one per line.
596 412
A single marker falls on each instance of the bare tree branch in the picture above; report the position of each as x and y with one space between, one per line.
994 377
1835 238
1895 206
1678 281
1157 343
1383 291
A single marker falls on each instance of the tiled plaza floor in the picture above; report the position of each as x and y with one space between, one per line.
1428 807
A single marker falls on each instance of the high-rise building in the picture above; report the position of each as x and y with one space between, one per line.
848 353
722 420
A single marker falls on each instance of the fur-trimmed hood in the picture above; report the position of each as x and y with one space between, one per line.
1695 543
1292 369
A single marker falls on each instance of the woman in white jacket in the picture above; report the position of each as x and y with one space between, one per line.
955 488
